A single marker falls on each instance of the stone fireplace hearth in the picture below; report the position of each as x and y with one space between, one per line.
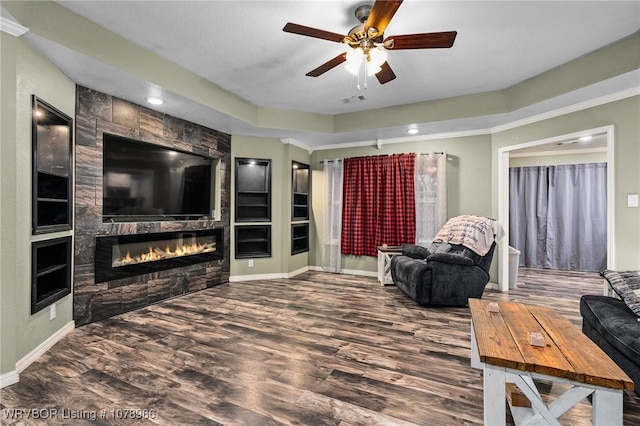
94 299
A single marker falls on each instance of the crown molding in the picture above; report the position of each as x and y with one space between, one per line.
11 27
291 141
379 143
591 103
435 136
602 100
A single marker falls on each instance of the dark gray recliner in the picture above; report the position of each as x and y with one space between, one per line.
443 274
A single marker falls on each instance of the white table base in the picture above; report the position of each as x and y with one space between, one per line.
606 402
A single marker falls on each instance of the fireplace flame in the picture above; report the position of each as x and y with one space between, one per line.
156 253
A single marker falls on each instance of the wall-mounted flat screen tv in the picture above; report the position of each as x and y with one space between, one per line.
143 182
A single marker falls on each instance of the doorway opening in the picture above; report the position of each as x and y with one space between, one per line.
546 146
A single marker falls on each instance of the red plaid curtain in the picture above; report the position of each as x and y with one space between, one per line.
378 203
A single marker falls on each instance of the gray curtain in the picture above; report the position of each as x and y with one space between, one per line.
558 216
528 195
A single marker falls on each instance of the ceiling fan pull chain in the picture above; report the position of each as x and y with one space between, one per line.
364 76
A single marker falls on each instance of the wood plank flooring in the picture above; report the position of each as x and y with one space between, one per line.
319 349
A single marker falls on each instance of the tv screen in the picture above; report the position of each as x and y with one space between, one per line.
142 181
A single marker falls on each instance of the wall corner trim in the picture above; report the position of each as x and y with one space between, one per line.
11 27
43 347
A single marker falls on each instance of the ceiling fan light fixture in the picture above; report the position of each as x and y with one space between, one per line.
353 68
354 56
377 57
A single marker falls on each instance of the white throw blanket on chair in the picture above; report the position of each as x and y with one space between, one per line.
474 232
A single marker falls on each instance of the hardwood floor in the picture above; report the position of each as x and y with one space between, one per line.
319 349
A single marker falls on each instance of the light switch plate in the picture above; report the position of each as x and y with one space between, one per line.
632 200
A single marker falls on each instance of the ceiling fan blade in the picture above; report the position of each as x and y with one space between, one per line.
381 14
328 65
312 32
422 41
386 74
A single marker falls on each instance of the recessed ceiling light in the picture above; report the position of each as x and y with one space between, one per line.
413 131
586 138
154 100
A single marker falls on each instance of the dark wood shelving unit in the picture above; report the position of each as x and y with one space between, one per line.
253 190
299 207
253 204
300 191
252 241
299 238
52 192
50 272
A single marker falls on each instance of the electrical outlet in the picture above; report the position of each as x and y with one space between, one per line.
52 312
250 263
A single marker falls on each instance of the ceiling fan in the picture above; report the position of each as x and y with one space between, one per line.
368 43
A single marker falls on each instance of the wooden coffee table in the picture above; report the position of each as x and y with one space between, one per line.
500 347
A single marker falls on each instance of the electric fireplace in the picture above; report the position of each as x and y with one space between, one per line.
122 256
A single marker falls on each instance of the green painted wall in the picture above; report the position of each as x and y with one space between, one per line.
281 155
24 72
623 114
298 261
468 183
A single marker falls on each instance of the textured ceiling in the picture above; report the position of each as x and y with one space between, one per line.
240 47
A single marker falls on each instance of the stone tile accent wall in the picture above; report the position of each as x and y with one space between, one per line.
97 113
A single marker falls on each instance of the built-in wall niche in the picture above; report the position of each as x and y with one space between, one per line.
253 190
253 241
52 200
50 272
300 191
299 238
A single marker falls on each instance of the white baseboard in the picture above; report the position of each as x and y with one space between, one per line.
236 278
297 272
348 271
12 377
9 378
276 276
493 286
43 347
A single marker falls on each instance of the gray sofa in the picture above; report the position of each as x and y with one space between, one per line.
443 274
615 328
